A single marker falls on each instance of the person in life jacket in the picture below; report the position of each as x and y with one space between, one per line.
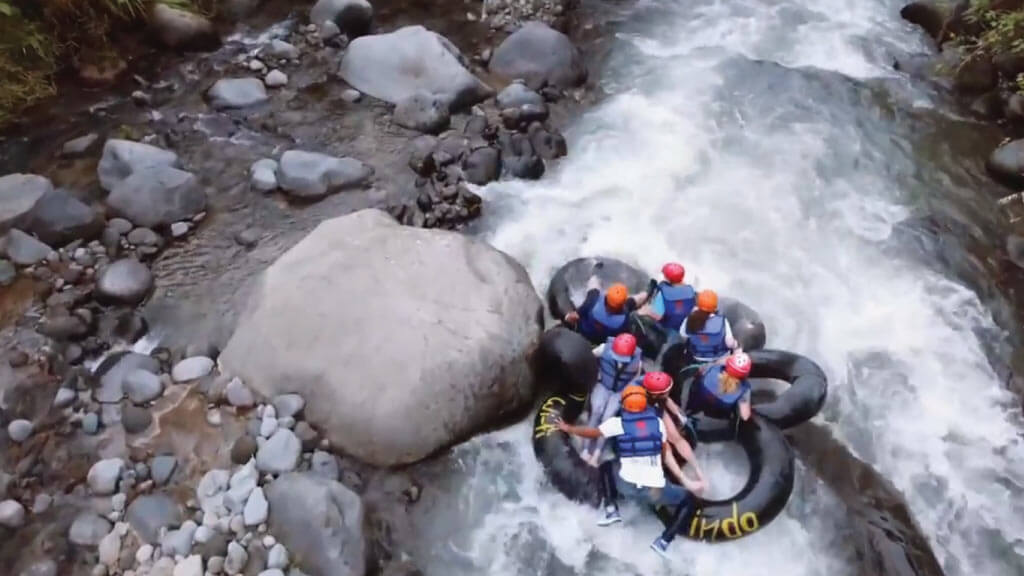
708 334
658 386
672 300
619 363
722 391
640 445
599 318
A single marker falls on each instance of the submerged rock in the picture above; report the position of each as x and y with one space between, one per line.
113 371
311 175
18 195
366 257
396 65
237 93
158 196
540 55
354 18
122 158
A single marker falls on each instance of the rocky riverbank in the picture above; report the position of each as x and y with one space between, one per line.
129 451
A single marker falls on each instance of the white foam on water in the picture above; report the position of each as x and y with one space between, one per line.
755 193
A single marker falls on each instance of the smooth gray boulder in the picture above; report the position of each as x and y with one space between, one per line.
237 93
158 196
122 158
142 386
112 373
354 18
412 59
88 529
18 195
23 249
148 513
182 30
126 281
58 218
312 176
518 94
423 112
320 522
540 55
263 175
1006 163
461 348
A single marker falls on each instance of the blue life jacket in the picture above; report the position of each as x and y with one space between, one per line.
709 343
711 400
616 371
601 323
679 300
641 434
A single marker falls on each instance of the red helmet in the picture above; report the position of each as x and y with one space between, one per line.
738 365
673 272
624 345
657 383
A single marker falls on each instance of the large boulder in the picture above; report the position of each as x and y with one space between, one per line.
402 340
320 522
930 15
59 218
158 196
540 55
182 30
353 17
311 175
122 158
1006 163
18 195
396 65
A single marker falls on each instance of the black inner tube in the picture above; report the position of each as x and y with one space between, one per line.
568 286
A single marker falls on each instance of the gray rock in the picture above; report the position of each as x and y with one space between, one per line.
88 529
192 368
122 158
421 155
8 273
548 145
268 426
144 237
1015 249
412 59
367 257
61 326
483 165
12 514
325 465
275 79
539 55
148 513
135 419
263 175
19 430
328 31
257 558
280 453
158 196
79 146
280 49
179 229
1006 163
162 468
24 250
238 394
41 503
120 225
248 237
182 30
288 405
311 176
179 542
319 522
103 476
18 195
112 375
236 559
59 218
237 93
423 112
307 436
353 17
126 281
41 567
91 423
277 557
142 386
518 94
351 96
243 449
271 572
256 508
65 397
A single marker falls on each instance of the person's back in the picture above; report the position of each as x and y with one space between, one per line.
673 300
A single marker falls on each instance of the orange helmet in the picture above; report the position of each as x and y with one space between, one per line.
707 301
634 398
616 296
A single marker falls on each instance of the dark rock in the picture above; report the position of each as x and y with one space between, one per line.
24 250
127 325
547 145
1009 64
1006 163
422 112
521 117
135 419
354 18
932 16
975 74
158 196
450 149
144 237
149 513
307 436
421 155
58 218
182 30
243 449
518 94
229 93
125 281
312 176
483 165
18 195
526 167
475 126
1015 107
988 106
539 55
412 59
122 158
63 327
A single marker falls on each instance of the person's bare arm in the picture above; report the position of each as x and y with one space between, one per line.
581 431
671 463
745 409
674 408
681 445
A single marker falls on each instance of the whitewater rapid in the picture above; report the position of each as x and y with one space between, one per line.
760 143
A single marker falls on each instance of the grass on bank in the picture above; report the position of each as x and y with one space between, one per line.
38 37
996 28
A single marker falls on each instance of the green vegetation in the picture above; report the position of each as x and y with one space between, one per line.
995 28
37 37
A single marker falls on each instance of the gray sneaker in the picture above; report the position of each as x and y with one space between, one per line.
611 516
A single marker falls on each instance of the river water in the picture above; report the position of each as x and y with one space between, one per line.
772 148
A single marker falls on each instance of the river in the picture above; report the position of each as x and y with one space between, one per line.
773 149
